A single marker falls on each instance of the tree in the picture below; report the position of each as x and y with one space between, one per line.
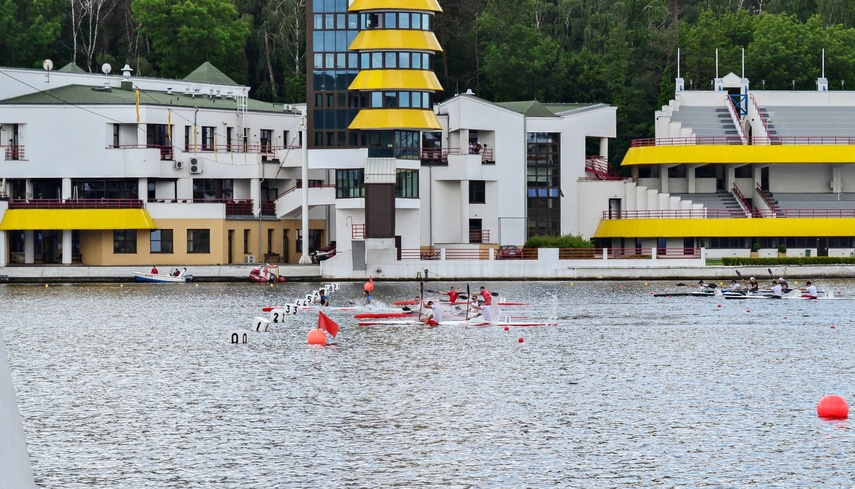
31 31
87 19
183 34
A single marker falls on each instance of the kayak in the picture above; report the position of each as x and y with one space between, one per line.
696 293
382 315
459 303
458 323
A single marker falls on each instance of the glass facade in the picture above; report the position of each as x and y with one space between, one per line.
333 69
543 186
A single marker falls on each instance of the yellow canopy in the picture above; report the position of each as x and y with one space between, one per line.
421 119
81 219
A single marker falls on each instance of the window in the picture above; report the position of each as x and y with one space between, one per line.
161 241
115 135
207 138
125 241
266 140
543 170
477 192
211 189
198 241
407 184
246 241
349 183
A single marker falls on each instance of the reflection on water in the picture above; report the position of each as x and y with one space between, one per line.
138 386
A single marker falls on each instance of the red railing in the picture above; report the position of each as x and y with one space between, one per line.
746 206
600 167
760 115
236 147
673 214
357 231
736 140
295 187
75 204
13 152
234 207
440 155
758 189
479 236
638 253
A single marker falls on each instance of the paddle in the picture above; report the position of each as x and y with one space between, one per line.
421 297
770 273
467 303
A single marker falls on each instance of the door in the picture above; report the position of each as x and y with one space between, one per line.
822 247
764 178
231 245
475 231
614 208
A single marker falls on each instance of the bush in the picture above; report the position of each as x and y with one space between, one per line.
755 247
792 260
782 248
566 241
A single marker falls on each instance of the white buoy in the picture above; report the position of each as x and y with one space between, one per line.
14 460
238 337
260 325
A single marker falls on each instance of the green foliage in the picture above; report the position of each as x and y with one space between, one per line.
565 241
794 260
755 247
782 248
183 34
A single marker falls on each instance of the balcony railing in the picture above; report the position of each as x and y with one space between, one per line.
296 187
439 156
357 231
479 236
736 140
725 214
75 204
13 152
234 207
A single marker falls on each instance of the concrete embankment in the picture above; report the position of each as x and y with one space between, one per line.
312 273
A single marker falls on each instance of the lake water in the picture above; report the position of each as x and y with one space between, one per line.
138 386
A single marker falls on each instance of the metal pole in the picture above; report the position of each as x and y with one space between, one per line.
304 257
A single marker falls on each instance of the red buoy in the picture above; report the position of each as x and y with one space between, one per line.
507 328
521 340
317 337
832 407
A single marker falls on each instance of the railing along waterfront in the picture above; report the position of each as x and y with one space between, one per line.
635 253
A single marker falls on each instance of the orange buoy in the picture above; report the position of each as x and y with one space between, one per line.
832 407
369 286
317 337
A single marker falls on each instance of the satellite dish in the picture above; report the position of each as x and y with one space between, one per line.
47 65
106 68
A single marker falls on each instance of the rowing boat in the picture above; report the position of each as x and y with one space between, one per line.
458 303
696 293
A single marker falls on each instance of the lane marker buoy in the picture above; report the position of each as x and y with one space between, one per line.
832 407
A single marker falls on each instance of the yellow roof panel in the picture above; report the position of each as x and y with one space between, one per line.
424 5
726 228
417 119
82 219
395 80
738 154
399 40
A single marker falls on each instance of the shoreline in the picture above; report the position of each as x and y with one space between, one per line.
312 273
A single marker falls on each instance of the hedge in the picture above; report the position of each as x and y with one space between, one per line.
795 260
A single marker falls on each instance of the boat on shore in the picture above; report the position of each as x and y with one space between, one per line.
265 274
163 278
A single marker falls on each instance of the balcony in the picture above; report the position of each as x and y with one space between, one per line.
75 204
13 152
439 156
167 153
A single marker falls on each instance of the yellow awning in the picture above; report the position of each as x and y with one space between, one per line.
398 40
80 219
424 5
395 80
417 119
738 154
726 228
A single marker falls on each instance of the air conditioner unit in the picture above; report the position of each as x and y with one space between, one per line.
250 258
195 165
178 165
